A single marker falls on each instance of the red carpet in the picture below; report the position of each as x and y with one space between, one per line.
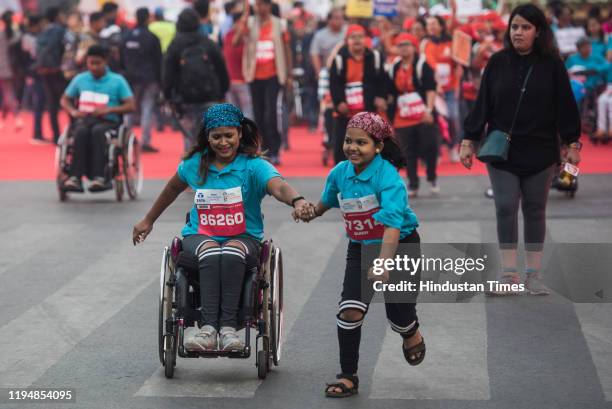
20 160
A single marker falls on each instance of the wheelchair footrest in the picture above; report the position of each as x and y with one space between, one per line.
241 354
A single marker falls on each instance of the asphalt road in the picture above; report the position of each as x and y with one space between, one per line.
78 309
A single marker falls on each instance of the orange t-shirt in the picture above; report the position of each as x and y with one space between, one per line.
439 57
265 63
404 85
354 86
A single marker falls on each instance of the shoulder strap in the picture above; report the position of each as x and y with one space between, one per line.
376 60
518 105
338 62
419 67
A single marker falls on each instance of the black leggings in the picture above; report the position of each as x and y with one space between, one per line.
90 140
531 192
222 269
265 100
419 141
402 316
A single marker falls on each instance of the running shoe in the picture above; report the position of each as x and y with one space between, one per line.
534 284
203 340
434 189
503 283
229 341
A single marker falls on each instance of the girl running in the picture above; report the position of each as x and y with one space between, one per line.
225 228
373 199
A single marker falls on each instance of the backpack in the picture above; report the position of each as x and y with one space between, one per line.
50 49
198 80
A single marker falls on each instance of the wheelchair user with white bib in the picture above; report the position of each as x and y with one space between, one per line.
230 178
102 97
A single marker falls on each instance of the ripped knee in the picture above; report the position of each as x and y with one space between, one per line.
206 249
235 248
351 314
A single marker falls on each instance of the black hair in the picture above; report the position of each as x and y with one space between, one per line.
142 16
544 43
250 145
201 7
34 20
96 16
7 17
391 151
109 7
97 50
229 6
601 36
268 2
298 4
52 14
444 36
275 9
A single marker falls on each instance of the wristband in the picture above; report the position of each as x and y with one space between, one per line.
295 199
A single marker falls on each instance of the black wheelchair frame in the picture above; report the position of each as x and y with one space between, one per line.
123 165
261 308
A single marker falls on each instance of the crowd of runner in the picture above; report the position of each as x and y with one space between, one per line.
283 65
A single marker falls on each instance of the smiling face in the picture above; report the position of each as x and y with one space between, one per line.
359 147
522 34
224 142
434 28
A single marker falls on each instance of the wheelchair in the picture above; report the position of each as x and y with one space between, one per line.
587 101
261 308
123 165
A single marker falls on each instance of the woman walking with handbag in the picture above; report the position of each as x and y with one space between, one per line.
526 104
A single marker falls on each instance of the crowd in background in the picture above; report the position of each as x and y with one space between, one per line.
282 66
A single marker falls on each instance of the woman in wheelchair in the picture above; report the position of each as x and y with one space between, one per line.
103 96
225 227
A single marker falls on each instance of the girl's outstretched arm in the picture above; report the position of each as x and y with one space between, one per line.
173 188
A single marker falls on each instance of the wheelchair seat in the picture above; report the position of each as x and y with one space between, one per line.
189 263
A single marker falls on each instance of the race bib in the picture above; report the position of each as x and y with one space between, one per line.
89 101
264 51
411 107
443 74
358 220
220 212
354 96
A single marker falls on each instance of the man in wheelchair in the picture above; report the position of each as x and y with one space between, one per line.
102 98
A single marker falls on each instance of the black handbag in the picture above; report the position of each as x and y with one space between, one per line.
495 147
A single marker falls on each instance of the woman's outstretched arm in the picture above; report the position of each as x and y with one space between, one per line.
173 188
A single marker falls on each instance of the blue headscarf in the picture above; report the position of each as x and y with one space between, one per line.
222 115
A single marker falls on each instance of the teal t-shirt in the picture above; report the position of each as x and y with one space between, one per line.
593 62
109 90
378 180
229 202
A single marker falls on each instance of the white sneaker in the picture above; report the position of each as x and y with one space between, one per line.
229 341
203 340
434 189
534 284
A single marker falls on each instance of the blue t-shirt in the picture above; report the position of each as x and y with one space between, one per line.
250 175
109 90
592 62
379 178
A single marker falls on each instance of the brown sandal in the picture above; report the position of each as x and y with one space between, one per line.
418 350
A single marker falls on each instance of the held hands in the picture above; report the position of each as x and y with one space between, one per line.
141 231
304 211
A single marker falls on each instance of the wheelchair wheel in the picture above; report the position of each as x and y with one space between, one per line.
166 329
60 164
263 358
132 168
276 306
